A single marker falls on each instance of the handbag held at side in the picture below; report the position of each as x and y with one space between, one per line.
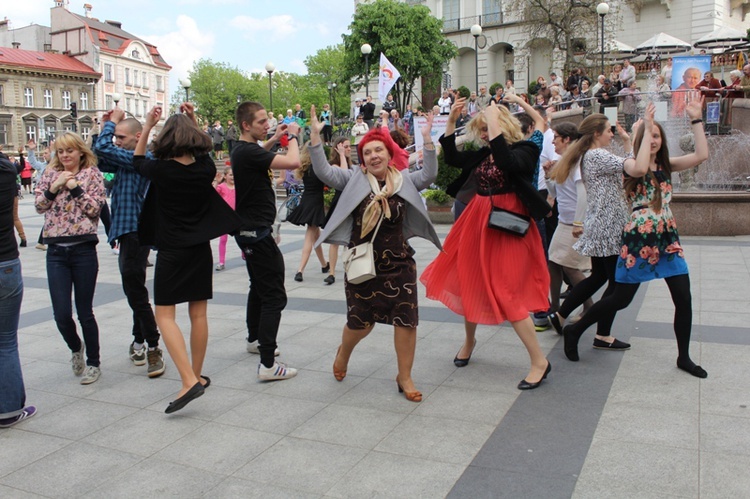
507 221
359 261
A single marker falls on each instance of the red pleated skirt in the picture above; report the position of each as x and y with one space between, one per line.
486 275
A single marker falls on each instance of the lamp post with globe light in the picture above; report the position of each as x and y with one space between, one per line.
476 32
185 83
270 68
366 50
602 9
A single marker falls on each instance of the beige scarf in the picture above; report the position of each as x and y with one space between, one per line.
379 205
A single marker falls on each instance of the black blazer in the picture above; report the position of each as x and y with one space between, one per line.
518 161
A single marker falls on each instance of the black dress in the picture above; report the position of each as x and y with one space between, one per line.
181 214
391 296
310 210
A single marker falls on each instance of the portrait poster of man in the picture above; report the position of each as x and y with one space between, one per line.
687 72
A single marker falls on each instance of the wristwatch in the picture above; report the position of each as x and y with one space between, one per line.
292 136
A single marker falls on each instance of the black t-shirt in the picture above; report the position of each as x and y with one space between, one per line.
368 110
253 179
8 193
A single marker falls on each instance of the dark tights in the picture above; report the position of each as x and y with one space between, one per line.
679 288
602 271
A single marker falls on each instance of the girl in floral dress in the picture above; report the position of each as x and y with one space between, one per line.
651 247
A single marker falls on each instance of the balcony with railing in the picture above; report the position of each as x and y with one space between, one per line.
464 23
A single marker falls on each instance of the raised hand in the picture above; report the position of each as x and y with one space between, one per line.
427 129
31 145
456 109
153 116
116 115
315 126
694 108
621 131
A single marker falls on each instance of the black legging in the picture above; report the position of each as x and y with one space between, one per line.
679 288
602 270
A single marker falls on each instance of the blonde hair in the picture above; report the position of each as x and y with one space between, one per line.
509 124
305 163
72 140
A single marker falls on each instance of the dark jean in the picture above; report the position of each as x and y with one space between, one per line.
132 260
74 269
267 296
12 391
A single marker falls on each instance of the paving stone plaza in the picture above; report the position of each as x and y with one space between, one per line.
621 425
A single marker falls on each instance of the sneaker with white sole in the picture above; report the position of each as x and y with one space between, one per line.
276 372
138 356
90 375
26 413
541 321
78 362
252 347
156 365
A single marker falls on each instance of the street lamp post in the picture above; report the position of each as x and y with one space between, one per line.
333 100
602 9
270 68
186 85
476 32
116 97
366 49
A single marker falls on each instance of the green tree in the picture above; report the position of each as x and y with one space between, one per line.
408 35
216 87
327 68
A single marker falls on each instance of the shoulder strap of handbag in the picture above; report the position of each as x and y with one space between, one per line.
377 227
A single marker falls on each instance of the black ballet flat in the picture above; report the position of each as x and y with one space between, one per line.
192 394
570 343
691 368
464 362
527 385
326 269
616 345
208 381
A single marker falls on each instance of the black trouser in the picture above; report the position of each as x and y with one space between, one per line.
230 145
267 296
133 259
327 133
106 218
602 270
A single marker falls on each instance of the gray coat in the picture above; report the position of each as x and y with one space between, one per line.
338 229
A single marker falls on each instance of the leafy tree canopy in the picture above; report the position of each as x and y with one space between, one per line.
408 35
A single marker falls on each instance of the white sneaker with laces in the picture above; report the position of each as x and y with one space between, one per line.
276 372
252 347
77 361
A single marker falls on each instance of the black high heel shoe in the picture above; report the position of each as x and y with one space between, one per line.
464 362
527 385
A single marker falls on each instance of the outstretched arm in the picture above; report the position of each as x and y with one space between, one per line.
694 111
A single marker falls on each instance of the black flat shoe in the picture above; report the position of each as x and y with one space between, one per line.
570 343
326 269
555 321
195 392
691 368
208 381
527 385
298 277
329 280
615 345
464 362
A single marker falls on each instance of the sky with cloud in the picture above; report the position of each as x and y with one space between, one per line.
243 33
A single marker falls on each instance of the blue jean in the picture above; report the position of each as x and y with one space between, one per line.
72 268
12 391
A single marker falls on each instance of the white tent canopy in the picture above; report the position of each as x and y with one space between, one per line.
722 38
615 47
663 44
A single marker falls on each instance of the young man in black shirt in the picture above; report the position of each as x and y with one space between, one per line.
256 206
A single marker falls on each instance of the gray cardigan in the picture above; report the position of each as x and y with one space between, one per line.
355 187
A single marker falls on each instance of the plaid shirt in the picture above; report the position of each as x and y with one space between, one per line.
129 188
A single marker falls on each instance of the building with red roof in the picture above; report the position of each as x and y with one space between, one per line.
37 90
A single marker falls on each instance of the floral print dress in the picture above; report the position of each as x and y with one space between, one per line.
650 244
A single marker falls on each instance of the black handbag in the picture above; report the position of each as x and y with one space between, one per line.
507 221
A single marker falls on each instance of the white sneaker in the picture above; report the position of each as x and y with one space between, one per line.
77 361
90 375
276 372
252 347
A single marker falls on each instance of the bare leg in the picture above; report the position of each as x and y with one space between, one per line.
405 341
311 234
198 334
333 257
319 250
349 339
172 336
525 331
468 346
